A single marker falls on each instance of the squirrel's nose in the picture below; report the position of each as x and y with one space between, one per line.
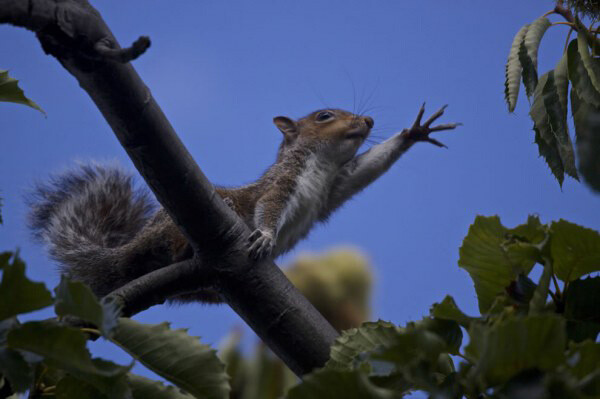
369 121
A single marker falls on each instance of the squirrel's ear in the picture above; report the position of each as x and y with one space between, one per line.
287 126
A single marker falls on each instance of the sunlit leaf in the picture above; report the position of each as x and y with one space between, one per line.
515 344
513 70
448 310
575 250
65 347
494 255
175 356
586 118
144 388
533 37
74 298
336 384
357 340
18 294
11 92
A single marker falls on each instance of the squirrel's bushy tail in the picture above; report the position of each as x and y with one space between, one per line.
84 216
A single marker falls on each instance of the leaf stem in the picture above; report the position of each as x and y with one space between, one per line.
556 287
90 330
568 38
548 13
563 23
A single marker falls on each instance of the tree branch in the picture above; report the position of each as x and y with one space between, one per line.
258 292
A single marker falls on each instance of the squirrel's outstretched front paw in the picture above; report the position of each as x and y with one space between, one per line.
420 132
260 244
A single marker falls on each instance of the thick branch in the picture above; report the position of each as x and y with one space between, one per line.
258 292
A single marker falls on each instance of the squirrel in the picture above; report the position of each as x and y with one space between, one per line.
105 232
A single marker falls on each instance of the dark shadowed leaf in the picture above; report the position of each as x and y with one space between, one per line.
575 250
16 369
513 70
582 309
494 256
65 347
74 298
335 384
579 75
175 356
18 294
529 71
515 344
586 118
70 387
11 92
144 388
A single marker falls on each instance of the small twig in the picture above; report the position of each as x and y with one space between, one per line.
556 287
104 48
548 13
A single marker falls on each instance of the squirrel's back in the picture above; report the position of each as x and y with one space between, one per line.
84 216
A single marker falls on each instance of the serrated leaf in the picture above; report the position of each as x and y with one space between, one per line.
448 310
586 118
580 76
494 256
70 387
11 92
175 356
334 384
16 369
575 250
354 341
74 298
561 81
18 294
548 146
144 388
533 37
529 70
513 70
557 119
65 347
448 330
582 309
514 345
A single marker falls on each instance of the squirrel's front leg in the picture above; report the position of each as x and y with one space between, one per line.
268 215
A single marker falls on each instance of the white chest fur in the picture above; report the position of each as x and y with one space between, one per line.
304 206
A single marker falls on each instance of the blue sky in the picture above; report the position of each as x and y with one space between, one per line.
222 70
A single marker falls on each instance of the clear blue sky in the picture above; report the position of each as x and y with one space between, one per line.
222 70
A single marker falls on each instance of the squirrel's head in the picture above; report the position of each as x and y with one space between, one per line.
335 132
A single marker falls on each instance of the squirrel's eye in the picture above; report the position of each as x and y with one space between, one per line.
324 116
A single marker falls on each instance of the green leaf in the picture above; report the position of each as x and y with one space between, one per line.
18 294
448 310
582 309
590 64
334 384
144 388
580 75
65 347
16 369
448 330
529 71
561 81
540 295
575 250
557 119
513 345
586 118
175 356
494 255
513 70
11 92
584 359
354 341
533 37
70 387
74 298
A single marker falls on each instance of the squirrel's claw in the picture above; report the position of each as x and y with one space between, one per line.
260 244
420 132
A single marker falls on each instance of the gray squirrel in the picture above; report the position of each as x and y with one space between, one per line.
105 232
